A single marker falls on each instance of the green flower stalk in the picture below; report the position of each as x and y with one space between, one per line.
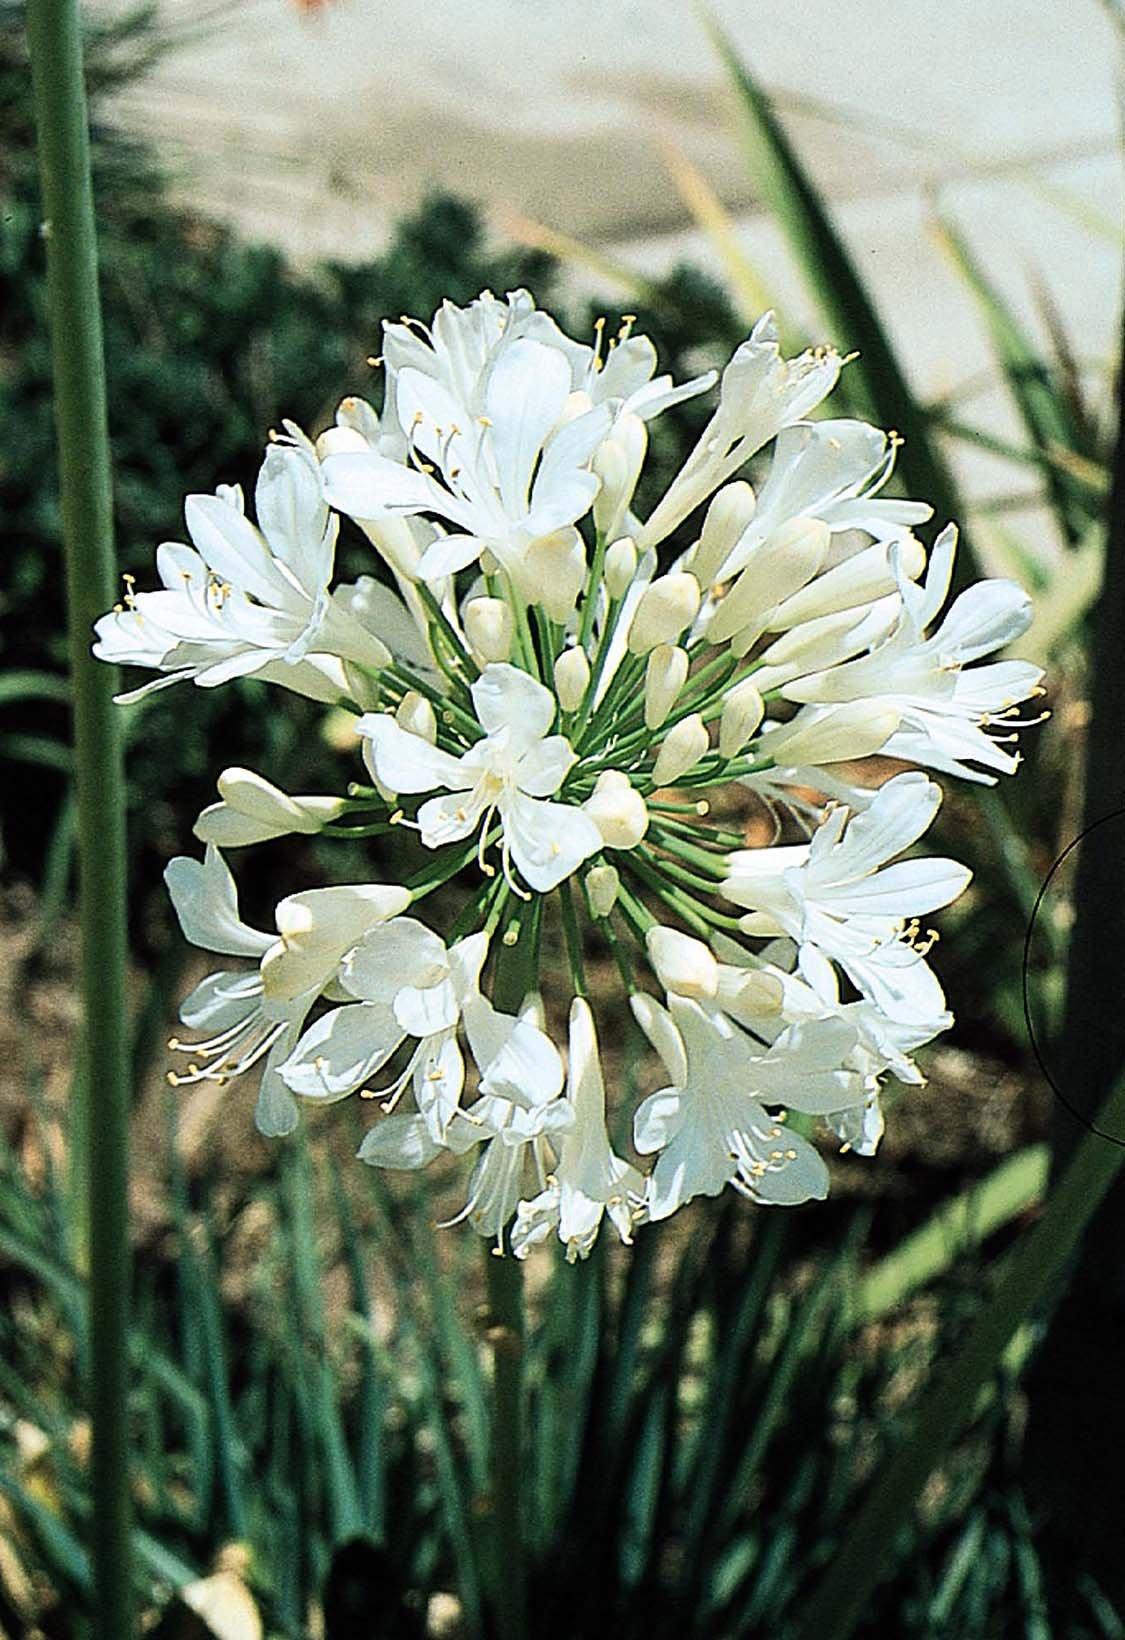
84 472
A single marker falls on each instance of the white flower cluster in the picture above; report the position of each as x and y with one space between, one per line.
548 709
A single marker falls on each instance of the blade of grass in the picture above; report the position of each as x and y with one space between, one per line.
709 212
1042 405
965 1222
370 1456
345 1514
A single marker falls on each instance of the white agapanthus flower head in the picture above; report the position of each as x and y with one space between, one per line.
548 691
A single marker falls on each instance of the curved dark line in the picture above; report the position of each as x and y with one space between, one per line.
1091 1127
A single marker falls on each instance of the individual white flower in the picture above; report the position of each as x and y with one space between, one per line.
506 466
944 709
518 1107
711 1127
588 1179
773 996
839 895
760 393
407 984
248 599
457 348
507 774
832 471
244 1024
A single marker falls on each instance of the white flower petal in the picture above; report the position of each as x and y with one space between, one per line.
548 841
206 902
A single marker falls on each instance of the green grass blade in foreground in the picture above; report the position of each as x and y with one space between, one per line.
1037 396
1026 1278
876 379
87 514
964 1222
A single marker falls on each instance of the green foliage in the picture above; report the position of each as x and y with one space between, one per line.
703 1414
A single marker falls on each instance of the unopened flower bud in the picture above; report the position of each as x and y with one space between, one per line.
336 441
666 607
552 572
743 710
572 678
748 995
618 463
684 744
618 810
728 517
683 964
252 811
415 714
665 676
602 884
831 734
780 565
489 627
861 579
620 567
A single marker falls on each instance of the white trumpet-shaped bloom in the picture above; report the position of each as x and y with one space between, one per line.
711 1127
588 1179
248 599
508 774
504 461
518 1106
839 895
944 709
407 984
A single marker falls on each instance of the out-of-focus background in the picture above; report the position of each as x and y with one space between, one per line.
939 188
316 128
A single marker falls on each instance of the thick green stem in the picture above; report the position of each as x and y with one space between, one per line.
516 973
1029 1274
87 514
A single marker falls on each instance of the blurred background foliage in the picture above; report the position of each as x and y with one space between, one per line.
310 1418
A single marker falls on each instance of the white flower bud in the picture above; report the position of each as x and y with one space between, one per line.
666 607
415 714
665 676
728 517
831 734
748 995
252 811
683 964
489 627
572 678
620 567
552 572
861 579
779 566
618 463
617 809
602 884
684 744
340 441
743 710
